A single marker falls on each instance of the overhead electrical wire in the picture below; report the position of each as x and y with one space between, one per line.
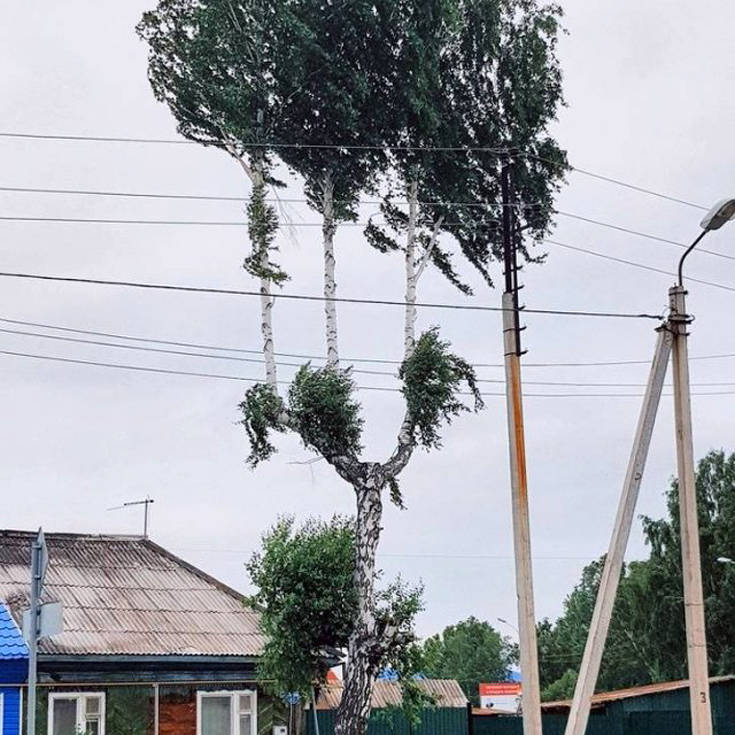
303 356
362 371
301 200
634 264
190 373
307 297
335 146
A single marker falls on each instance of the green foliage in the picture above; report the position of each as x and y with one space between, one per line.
304 582
480 75
562 688
647 641
431 378
304 577
471 651
262 229
261 408
396 607
320 410
323 411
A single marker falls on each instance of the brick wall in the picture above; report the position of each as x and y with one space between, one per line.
177 717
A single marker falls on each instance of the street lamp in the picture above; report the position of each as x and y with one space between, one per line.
677 323
721 213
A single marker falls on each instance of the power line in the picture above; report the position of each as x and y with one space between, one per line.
305 297
177 222
641 189
240 378
224 198
259 360
426 555
268 144
299 200
637 233
634 264
300 355
334 146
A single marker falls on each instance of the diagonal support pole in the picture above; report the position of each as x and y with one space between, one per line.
587 679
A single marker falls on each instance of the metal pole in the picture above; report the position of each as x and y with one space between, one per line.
589 671
156 708
690 557
530 692
33 637
313 706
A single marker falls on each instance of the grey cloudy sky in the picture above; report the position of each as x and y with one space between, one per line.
648 86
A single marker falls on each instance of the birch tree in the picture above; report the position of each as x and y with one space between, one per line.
212 63
356 96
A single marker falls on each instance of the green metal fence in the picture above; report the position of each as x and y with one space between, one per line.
434 721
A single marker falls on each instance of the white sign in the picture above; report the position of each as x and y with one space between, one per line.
50 620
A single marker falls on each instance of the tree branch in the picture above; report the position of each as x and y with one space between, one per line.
432 244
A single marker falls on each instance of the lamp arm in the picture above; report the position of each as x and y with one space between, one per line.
689 250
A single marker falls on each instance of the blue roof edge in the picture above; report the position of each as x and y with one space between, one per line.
12 645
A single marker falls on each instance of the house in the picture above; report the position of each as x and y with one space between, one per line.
150 645
13 673
449 713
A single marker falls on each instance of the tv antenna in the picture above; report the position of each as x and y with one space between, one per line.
145 503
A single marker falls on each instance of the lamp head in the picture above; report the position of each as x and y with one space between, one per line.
722 212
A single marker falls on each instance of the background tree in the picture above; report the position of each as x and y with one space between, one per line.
647 641
470 651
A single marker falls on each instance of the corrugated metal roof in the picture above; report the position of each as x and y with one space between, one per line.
446 692
641 691
126 595
12 645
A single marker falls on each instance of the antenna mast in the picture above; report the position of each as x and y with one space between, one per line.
145 503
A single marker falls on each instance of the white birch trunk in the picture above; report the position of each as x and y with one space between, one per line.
266 300
364 648
409 327
330 284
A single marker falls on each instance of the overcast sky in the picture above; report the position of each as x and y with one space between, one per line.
649 97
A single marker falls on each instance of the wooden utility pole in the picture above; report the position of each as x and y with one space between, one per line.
530 691
590 668
691 564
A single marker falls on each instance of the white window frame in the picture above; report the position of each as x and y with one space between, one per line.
81 701
234 709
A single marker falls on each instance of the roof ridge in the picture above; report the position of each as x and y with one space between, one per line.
20 533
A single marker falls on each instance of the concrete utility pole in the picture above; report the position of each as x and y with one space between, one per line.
691 563
530 688
672 339
590 668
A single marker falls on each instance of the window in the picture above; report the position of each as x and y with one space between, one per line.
70 714
226 713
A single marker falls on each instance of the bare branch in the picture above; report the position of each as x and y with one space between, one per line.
426 257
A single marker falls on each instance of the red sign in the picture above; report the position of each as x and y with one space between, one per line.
500 689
